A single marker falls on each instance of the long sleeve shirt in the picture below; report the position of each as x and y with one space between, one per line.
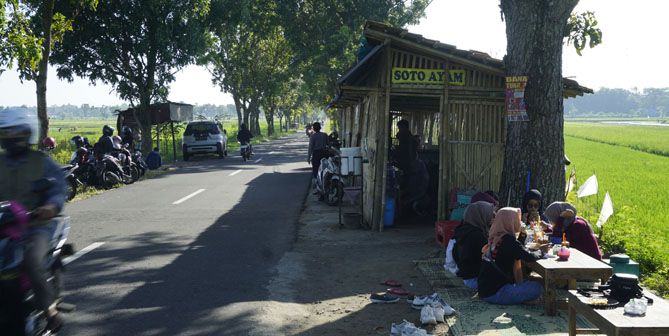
317 141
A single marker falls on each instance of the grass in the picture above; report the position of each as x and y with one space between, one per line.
637 182
64 130
649 139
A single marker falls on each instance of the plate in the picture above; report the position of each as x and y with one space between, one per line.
610 302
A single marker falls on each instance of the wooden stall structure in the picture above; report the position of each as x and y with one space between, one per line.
453 99
161 114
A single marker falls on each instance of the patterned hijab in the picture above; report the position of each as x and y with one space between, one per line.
479 214
554 210
507 221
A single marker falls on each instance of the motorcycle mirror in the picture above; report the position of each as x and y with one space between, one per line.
43 184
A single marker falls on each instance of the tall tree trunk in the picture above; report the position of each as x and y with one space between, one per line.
42 70
535 31
269 117
238 108
146 122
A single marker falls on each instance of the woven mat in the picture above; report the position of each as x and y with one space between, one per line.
476 317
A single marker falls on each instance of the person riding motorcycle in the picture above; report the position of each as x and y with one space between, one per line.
244 136
20 166
106 143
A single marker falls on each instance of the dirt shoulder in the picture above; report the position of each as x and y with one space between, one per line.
323 285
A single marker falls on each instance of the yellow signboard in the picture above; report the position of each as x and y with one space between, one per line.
427 76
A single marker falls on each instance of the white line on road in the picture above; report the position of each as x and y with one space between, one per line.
79 254
189 196
235 172
256 161
270 153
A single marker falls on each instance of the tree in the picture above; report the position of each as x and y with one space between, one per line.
36 27
135 46
535 33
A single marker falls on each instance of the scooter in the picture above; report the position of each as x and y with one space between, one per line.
329 184
19 314
245 150
72 183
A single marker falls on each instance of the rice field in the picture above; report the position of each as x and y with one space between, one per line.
638 183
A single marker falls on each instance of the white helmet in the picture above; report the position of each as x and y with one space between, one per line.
19 120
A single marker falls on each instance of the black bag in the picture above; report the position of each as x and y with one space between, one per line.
623 287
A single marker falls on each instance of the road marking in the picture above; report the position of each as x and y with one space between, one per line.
187 197
256 161
235 172
79 254
270 153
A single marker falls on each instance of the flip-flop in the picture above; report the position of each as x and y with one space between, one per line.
392 283
398 291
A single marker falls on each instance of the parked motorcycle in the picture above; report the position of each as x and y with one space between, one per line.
137 158
329 184
19 314
71 181
245 151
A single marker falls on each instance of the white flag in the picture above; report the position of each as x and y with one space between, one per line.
588 188
607 211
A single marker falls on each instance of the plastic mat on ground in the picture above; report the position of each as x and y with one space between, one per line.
476 317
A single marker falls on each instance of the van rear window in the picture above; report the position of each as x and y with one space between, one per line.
200 128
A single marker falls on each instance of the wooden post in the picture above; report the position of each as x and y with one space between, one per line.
385 116
445 118
174 144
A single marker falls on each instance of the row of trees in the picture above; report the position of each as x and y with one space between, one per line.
606 102
281 57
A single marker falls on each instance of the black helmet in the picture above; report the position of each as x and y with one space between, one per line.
127 130
78 141
107 130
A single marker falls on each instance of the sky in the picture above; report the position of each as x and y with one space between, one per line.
633 53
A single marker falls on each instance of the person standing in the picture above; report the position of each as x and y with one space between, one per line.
318 143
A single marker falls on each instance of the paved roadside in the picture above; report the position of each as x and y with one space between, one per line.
331 272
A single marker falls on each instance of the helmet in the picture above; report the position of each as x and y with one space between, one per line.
127 130
49 143
77 141
107 130
116 140
18 130
19 123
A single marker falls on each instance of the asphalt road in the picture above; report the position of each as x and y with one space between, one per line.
162 263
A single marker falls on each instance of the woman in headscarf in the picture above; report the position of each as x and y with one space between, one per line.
501 277
577 230
470 237
533 203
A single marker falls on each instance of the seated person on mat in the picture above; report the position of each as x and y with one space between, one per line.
470 237
501 277
577 230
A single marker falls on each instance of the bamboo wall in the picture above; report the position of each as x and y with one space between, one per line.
467 124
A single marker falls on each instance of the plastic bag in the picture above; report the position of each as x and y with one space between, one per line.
427 315
450 264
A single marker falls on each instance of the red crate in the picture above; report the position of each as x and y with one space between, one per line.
444 230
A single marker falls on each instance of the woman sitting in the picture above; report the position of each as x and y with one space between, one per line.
470 237
501 277
576 229
533 209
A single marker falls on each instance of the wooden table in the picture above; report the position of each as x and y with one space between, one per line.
580 266
613 321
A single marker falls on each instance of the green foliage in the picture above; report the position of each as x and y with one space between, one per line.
633 179
651 102
581 30
18 43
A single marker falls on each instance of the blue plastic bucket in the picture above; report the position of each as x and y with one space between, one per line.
389 212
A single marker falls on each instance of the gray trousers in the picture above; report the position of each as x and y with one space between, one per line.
35 250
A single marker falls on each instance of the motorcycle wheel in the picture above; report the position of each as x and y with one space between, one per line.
334 191
70 187
134 173
109 179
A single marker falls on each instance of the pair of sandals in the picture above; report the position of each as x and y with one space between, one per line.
396 288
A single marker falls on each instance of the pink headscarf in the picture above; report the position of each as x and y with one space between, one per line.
507 221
